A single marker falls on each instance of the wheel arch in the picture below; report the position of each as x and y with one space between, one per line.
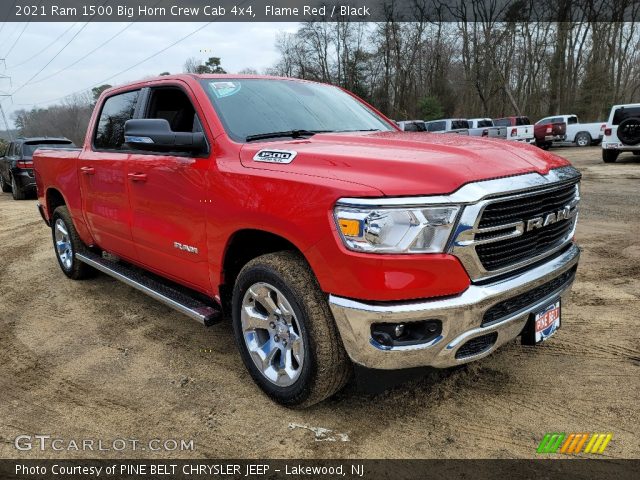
243 246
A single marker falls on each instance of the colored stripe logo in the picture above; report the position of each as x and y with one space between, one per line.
573 443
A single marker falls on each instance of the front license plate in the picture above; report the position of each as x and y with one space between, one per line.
547 321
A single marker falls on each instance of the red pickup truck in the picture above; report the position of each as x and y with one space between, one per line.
548 131
330 238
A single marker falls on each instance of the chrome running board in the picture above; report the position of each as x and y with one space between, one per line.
178 300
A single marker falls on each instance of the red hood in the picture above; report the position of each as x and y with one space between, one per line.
405 163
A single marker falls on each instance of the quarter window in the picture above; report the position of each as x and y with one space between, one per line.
115 112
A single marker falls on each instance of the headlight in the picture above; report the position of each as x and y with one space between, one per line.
396 230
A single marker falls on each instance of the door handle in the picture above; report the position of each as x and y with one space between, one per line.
137 177
88 170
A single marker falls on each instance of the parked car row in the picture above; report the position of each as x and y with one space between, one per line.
558 129
16 164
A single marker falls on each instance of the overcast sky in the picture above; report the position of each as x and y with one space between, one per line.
240 45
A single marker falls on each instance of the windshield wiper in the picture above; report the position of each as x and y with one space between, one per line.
288 133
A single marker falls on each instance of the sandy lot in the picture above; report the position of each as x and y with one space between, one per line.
97 360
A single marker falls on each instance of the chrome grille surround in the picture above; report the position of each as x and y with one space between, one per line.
469 235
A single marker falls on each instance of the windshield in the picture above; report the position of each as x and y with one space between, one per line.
29 148
252 107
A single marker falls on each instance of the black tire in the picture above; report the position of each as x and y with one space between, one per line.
325 366
74 268
4 186
610 156
16 190
637 152
583 139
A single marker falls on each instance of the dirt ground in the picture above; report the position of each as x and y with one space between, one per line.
98 360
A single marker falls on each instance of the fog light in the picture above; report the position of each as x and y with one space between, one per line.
402 334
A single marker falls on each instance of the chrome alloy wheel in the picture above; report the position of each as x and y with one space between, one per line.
272 334
64 250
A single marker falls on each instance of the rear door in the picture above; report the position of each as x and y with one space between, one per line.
102 170
169 194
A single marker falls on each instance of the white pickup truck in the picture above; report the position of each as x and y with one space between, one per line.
580 134
621 132
519 128
484 127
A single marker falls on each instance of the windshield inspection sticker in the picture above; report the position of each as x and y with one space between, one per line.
275 156
225 89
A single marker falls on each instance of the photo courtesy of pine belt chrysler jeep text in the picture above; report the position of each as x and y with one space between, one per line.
327 235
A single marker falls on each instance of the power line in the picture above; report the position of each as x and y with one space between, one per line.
40 52
126 69
81 58
56 55
52 59
17 39
121 71
91 52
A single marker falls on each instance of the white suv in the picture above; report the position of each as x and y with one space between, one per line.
622 132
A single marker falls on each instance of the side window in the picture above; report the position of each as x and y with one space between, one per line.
572 120
174 106
436 126
115 112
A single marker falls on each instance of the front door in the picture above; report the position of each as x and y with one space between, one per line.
103 178
168 195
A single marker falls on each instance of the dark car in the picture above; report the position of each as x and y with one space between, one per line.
16 163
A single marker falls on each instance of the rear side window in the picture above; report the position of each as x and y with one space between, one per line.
456 124
436 126
624 113
115 112
414 127
572 120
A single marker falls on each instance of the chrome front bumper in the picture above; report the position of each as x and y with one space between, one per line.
461 318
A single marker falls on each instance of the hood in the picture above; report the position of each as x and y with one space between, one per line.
405 163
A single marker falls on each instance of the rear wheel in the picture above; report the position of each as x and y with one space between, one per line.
16 190
66 243
583 139
610 156
637 152
285 331
6 188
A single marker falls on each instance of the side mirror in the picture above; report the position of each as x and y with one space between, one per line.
155 134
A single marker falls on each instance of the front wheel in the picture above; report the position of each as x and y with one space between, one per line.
285 331
66 243
16 190
610 156
583 139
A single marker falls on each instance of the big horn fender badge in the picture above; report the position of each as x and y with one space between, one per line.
275 156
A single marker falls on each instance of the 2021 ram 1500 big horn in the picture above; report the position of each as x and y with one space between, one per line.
328 236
